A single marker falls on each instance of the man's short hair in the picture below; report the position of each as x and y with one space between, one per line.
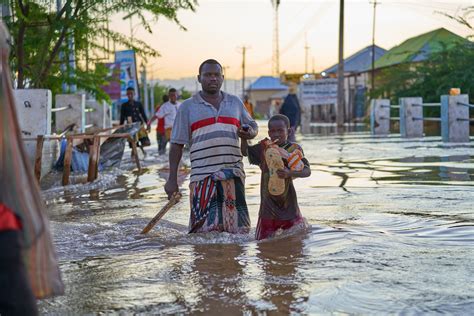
130 89
172 90
209 61
279 117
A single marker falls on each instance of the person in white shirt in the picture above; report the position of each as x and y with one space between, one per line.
167 111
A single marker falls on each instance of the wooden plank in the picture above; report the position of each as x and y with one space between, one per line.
93 160
67 161
39 156
174 199
135 152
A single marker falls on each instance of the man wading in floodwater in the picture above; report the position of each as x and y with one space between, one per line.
210 122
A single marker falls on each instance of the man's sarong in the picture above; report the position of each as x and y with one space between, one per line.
218 204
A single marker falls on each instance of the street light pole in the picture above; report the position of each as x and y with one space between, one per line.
340 69
372 84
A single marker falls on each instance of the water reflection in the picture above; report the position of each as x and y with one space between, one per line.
407 219
219 274
280 259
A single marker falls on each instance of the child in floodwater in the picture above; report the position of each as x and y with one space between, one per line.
280 162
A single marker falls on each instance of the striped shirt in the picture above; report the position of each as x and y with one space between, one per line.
211 133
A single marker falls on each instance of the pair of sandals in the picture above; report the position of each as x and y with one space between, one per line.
274 159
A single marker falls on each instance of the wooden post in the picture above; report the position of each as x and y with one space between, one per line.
39 155
93 159
67 161
135 152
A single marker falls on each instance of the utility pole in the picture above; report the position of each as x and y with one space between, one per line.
340 69
224 68
244 49
276 45
306 49
372 84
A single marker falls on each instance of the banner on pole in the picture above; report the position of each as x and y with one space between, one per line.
319 91
128 73
113 86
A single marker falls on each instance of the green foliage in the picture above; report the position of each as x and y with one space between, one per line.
447 68
39 32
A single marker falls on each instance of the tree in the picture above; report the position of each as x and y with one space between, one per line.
41 30
450 67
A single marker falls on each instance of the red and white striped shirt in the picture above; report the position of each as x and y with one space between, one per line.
211 133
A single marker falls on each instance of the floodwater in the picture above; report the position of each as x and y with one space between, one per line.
391 231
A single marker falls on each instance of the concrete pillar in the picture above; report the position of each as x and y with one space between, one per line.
75 114
380 116
411 117
34 117
99 116
454 119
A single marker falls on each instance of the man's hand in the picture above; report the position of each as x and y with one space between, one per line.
284 173
171 187
246 134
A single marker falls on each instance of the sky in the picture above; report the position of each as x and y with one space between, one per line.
220 28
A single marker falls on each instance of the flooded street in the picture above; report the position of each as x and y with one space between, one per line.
391 230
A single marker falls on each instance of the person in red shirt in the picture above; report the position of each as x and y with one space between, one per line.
160 127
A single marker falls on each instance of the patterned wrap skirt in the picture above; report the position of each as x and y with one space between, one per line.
218 204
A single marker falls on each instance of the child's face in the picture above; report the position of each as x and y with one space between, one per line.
278 130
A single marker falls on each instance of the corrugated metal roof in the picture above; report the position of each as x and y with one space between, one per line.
267 83
418 48
360 61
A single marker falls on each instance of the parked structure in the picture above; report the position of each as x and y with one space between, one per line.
357 80
267 94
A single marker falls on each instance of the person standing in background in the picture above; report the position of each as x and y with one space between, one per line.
160 127
167 111
248 106
291 109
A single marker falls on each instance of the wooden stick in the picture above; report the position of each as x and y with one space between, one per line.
39 155
174 199
67 161
93 160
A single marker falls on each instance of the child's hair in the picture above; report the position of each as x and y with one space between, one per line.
279 117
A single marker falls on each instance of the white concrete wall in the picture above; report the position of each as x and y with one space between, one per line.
454 119
380 116
411 111
34 115
75 114
100 116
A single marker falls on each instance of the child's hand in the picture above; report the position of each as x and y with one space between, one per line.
284 173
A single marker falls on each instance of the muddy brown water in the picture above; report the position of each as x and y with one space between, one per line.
391 231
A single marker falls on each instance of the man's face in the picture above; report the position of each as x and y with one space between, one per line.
130 95
173 96
211 78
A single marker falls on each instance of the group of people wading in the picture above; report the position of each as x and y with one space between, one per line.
216 126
